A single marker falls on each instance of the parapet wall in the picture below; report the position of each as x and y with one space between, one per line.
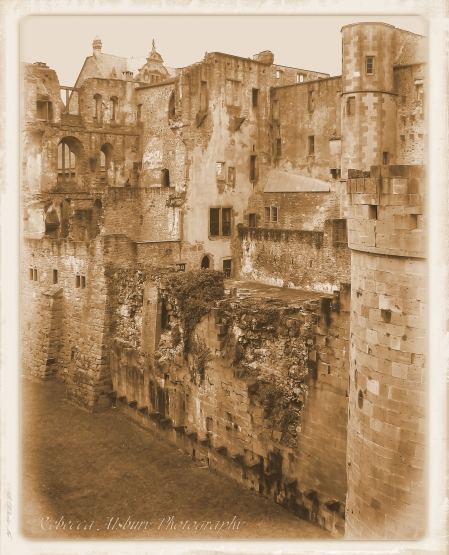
312 260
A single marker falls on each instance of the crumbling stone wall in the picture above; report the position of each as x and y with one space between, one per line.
313 260
229 379
64 329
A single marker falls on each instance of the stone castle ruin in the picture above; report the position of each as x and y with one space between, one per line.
233 253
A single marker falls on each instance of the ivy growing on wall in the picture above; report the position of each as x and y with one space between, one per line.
194 293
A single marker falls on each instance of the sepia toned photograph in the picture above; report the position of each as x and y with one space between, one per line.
223 277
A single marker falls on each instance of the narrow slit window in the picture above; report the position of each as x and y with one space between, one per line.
77 281
311 145
226 222
34 274
55 276
83 282
278 147
369 65
253 167
214 222
255 98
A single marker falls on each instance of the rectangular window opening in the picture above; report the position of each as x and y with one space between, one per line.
274 213
267 213
369 65
350 106
311 100
278 147
226 221
34 274
77 281
311 145
255 98
55 276
214 222
31 274
83 282
252 220
253 167
372 212
227 268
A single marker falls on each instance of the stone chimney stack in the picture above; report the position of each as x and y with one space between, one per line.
96 45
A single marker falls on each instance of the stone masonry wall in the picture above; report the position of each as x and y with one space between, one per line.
247 395
67 338
313 260
319 118
386 430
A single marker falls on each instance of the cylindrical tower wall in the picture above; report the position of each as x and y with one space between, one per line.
386 428
368 98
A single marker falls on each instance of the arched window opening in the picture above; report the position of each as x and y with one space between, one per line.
98 107
69 155
51 221
105 159
172 106
205 263
114 101
165 178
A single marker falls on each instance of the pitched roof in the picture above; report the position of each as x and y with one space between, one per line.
280 181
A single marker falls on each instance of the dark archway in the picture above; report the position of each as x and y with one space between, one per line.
205 262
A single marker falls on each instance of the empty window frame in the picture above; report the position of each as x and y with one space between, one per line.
31 274
271 213
227 267
220 171
419 91
44 110
114 108
350 106
311 100
278 74
165 177
370 66
220 222
311 145
253 168
98 106
252 220
300 77
55 275
80 281
66 161
255 98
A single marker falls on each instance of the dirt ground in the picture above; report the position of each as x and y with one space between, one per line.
102 476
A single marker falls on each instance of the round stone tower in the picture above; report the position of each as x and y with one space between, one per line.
368 116
386 426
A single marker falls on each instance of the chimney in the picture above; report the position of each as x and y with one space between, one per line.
96 45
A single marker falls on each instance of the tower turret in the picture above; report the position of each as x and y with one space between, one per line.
368 96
